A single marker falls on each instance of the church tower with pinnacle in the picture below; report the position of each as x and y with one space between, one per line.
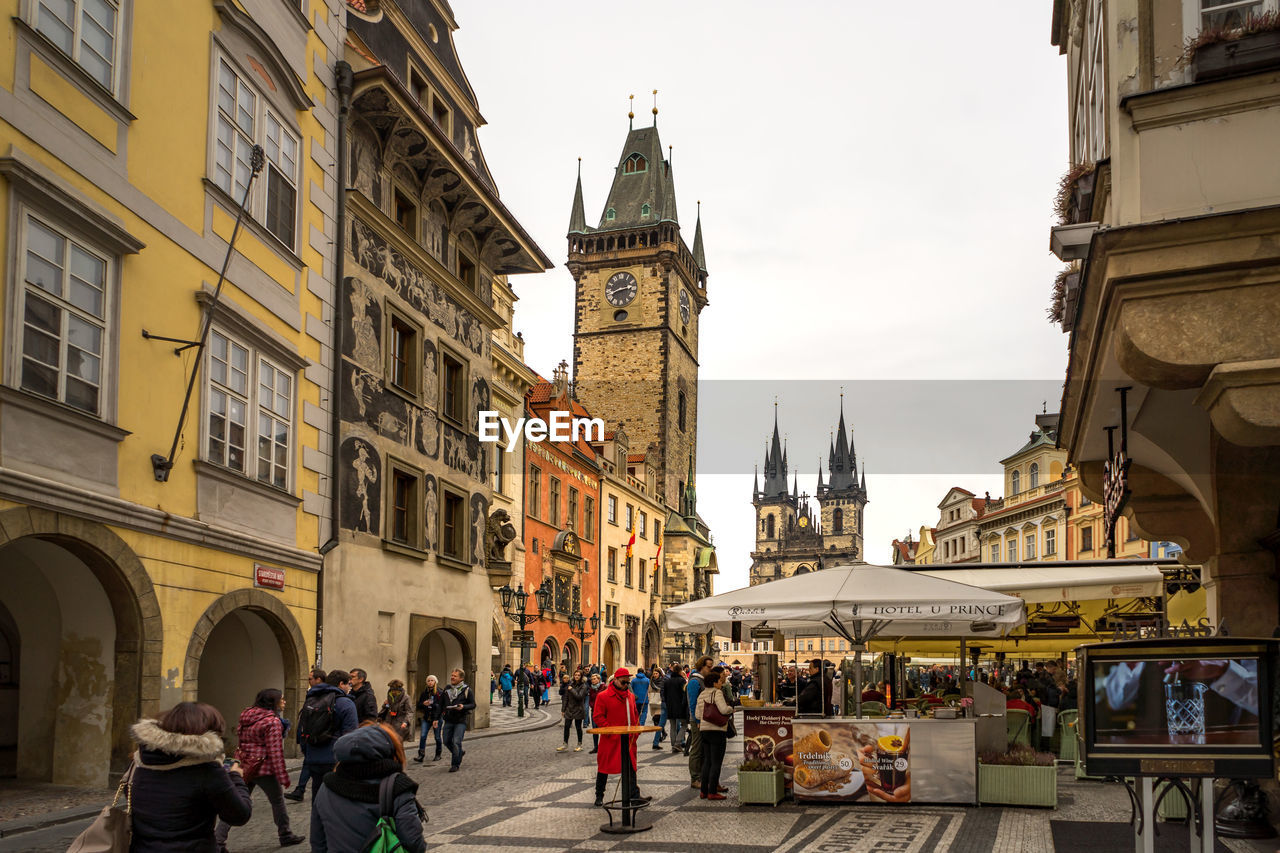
792 537
639 294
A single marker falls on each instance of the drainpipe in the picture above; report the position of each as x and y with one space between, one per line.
345 84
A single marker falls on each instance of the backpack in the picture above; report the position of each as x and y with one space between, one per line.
383 839
318 724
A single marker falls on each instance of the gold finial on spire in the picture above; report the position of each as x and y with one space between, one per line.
631 111
655 107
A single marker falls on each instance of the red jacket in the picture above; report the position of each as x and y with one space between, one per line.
614 707
260 749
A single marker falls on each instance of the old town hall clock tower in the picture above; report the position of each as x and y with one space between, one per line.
639 293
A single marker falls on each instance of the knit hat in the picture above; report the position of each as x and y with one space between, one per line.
622 672
367 744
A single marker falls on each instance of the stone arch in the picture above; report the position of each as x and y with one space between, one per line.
283 627
549 652
139 633
612 654
569 656
651 646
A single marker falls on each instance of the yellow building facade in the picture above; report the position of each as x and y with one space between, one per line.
148 556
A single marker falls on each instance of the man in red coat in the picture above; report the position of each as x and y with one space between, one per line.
616 706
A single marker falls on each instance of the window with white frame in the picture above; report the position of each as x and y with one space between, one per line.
88 31
1200 15
250 412
1029 549
242 119
1050 542
63 311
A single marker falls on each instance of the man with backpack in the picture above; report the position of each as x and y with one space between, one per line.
316 677
327 714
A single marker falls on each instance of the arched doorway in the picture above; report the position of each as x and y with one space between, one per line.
652 644
550 653
254 643
442 651
569 660
77 611
612 655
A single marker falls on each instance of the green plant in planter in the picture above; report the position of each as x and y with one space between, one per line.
1019 777
760 780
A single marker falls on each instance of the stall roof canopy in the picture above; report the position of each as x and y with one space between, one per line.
861 601
1065 581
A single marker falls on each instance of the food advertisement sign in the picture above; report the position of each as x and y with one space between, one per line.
766 734
846 761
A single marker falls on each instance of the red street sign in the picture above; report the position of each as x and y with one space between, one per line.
268 577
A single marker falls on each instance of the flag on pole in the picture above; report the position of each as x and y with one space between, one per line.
656 564
630 543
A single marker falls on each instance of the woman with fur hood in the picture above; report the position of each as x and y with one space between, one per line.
347 808
180 788
260 751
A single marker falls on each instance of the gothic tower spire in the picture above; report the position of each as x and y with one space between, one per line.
578 217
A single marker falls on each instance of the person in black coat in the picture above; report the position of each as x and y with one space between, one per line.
179 787
364 697
429 706
675 704
815 695
347 807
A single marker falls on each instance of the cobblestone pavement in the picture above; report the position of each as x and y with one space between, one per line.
515 793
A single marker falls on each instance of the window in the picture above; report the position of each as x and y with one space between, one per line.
572 521
645 210
499 466
1084 501
630 518
554 495
810 645
641 578
453 387
644 525
613 565
418 86
64 310
404 354
1129 534
1050 542
657 531
1029 549
837 521
680 410
633 637
86 31
627 573
1015 483
1035 475
244 412
453 525
962 546
1086 538
440 114
1223 14
613 510
1012 548
995 553
611 214
589 518
635 163
405 502
769 527
533 506
466 272
406 214
243 118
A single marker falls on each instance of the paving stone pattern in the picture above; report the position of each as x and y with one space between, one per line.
515 793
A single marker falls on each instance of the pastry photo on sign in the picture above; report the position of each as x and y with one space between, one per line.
848 762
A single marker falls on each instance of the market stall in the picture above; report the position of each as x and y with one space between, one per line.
858 759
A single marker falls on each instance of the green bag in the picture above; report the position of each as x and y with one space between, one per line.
383 839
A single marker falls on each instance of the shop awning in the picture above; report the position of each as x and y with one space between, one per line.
1061 582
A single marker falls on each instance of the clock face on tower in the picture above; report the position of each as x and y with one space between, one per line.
620 289
684 307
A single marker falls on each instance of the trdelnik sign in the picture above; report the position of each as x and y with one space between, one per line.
558 427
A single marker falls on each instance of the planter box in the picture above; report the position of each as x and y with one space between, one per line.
1018 786
1258 52
761 786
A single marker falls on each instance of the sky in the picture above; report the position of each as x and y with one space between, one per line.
876 183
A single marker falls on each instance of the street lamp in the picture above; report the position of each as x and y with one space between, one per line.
681 643
513 606
578 627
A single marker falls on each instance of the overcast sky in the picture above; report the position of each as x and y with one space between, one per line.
876 183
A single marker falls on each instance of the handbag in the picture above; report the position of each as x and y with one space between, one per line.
711 714
112 830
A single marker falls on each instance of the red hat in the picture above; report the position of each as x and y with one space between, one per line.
622 672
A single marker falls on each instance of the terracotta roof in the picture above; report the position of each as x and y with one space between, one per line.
358 5
635 457
904 550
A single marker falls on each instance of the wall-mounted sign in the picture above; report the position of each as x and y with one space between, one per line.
1115 478
268 577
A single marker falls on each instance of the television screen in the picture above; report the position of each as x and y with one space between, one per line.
1184 707
1176 702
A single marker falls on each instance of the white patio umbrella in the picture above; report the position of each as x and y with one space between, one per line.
860 603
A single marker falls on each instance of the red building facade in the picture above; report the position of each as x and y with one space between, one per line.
561 530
